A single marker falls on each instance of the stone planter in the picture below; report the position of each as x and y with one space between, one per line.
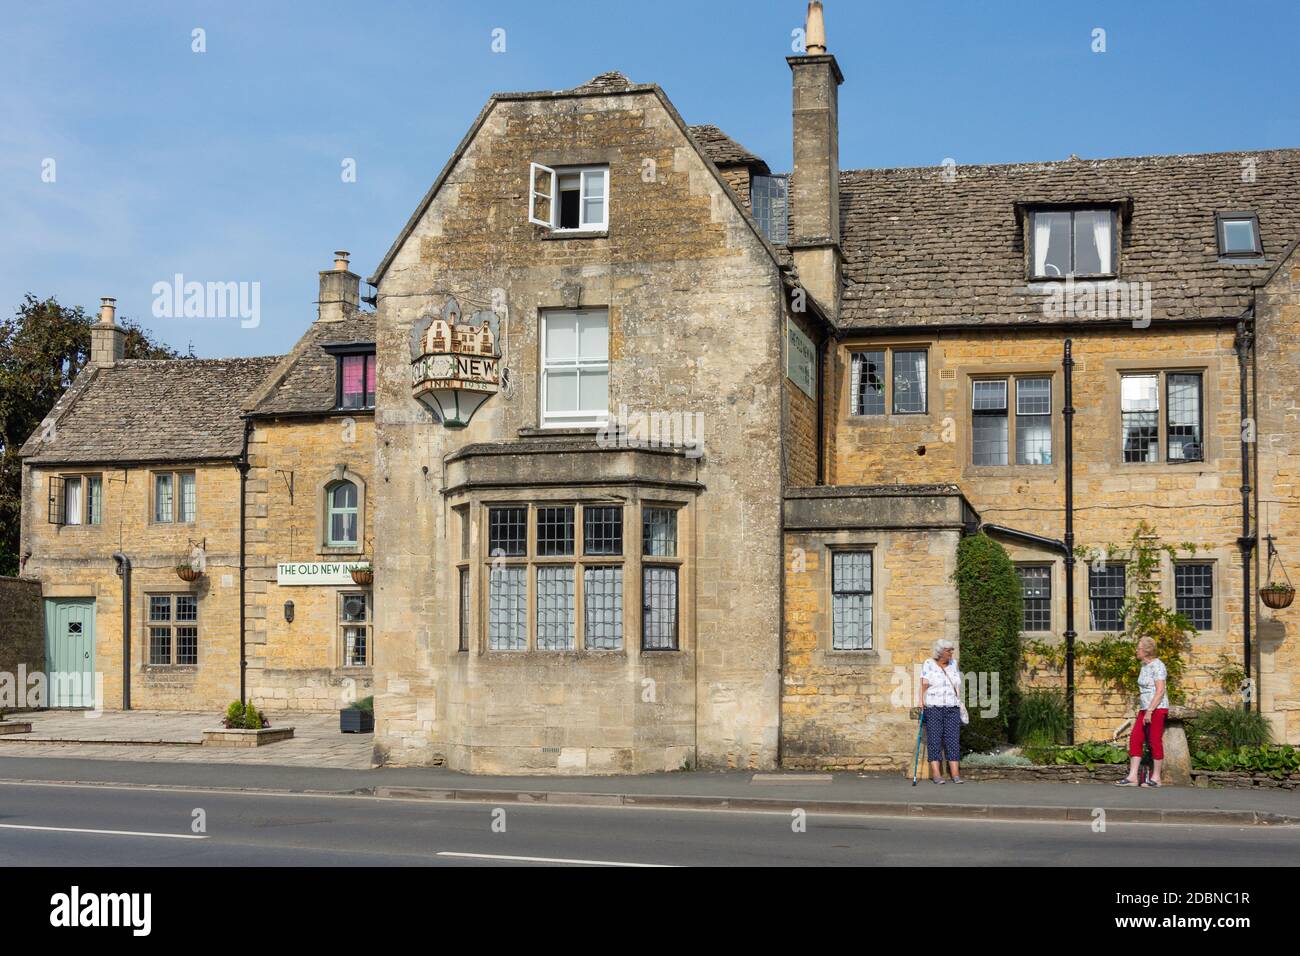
221 737
14 727
352 720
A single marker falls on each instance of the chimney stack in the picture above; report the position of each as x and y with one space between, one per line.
107 341
815 183
340 291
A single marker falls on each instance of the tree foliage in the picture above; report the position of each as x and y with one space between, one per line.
42 349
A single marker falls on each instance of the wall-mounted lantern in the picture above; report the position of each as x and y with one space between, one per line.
288 611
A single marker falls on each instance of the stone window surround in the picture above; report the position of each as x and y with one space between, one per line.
966 374
176 473
167 590
323 547
823 621
340 653
1210 405
83 477
1022 555
888 344
633 501
558 159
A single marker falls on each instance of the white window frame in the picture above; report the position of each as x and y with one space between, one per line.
552 196
579 418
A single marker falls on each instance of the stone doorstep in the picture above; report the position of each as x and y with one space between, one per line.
224 737
14 727
866 808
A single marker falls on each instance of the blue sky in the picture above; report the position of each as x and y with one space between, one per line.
226 165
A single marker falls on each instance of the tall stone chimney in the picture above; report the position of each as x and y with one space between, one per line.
107 341
340 291
815 183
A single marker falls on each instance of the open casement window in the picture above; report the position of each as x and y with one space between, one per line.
76 500
570 199
1072 242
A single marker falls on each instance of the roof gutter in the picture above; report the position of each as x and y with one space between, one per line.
1050 544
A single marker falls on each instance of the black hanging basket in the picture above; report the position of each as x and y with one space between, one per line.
1276 594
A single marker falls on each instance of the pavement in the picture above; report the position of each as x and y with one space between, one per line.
172 736
80 826
837 793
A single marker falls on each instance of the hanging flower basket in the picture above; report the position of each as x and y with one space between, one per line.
188 572
363 576
1277 596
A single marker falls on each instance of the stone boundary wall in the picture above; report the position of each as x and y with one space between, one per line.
22 628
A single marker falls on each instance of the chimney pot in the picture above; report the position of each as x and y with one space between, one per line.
107 341
341 261
107 309
815 29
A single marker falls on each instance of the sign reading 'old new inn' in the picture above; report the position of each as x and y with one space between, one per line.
455 367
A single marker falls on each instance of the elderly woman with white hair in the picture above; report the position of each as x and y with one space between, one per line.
940 681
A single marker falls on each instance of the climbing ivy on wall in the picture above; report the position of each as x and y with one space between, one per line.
990 619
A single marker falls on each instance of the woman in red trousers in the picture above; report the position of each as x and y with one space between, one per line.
1149 726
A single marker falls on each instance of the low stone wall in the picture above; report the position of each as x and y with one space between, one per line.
1244 780
22 631
1108 773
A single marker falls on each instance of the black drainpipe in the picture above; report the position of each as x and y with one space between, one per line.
1246 542
242 465
124 572
1067 363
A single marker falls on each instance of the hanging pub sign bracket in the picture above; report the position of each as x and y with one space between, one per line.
455 365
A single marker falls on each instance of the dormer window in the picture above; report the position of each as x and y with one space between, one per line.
570 198
356 380
1239 235
1072 242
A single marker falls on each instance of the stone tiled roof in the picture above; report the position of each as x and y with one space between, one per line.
723 150
921 250
305 381
150 410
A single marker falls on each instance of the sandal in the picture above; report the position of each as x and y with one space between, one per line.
1152 784
1126 782
939 780
958 780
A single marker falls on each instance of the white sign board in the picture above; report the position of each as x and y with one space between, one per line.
316 572
800 359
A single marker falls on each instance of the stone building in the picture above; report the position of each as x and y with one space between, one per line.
663 458
173 508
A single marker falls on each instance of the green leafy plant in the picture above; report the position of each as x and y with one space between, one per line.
366 704
1111 661
1086 754
234 715
1042 717
990 619
240 716
1277 762
1001 759
1229 675
1218 728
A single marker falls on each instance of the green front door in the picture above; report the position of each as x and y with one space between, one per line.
70 652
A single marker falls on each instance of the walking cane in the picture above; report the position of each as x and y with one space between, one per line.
916 763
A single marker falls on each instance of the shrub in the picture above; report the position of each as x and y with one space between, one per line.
253 719
1218 728
1042 718
990 618
234 715
1277 762
366 704
1085 754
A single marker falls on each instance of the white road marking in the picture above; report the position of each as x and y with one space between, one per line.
544 859
134 833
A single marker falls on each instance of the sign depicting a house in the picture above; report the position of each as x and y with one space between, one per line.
455 367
